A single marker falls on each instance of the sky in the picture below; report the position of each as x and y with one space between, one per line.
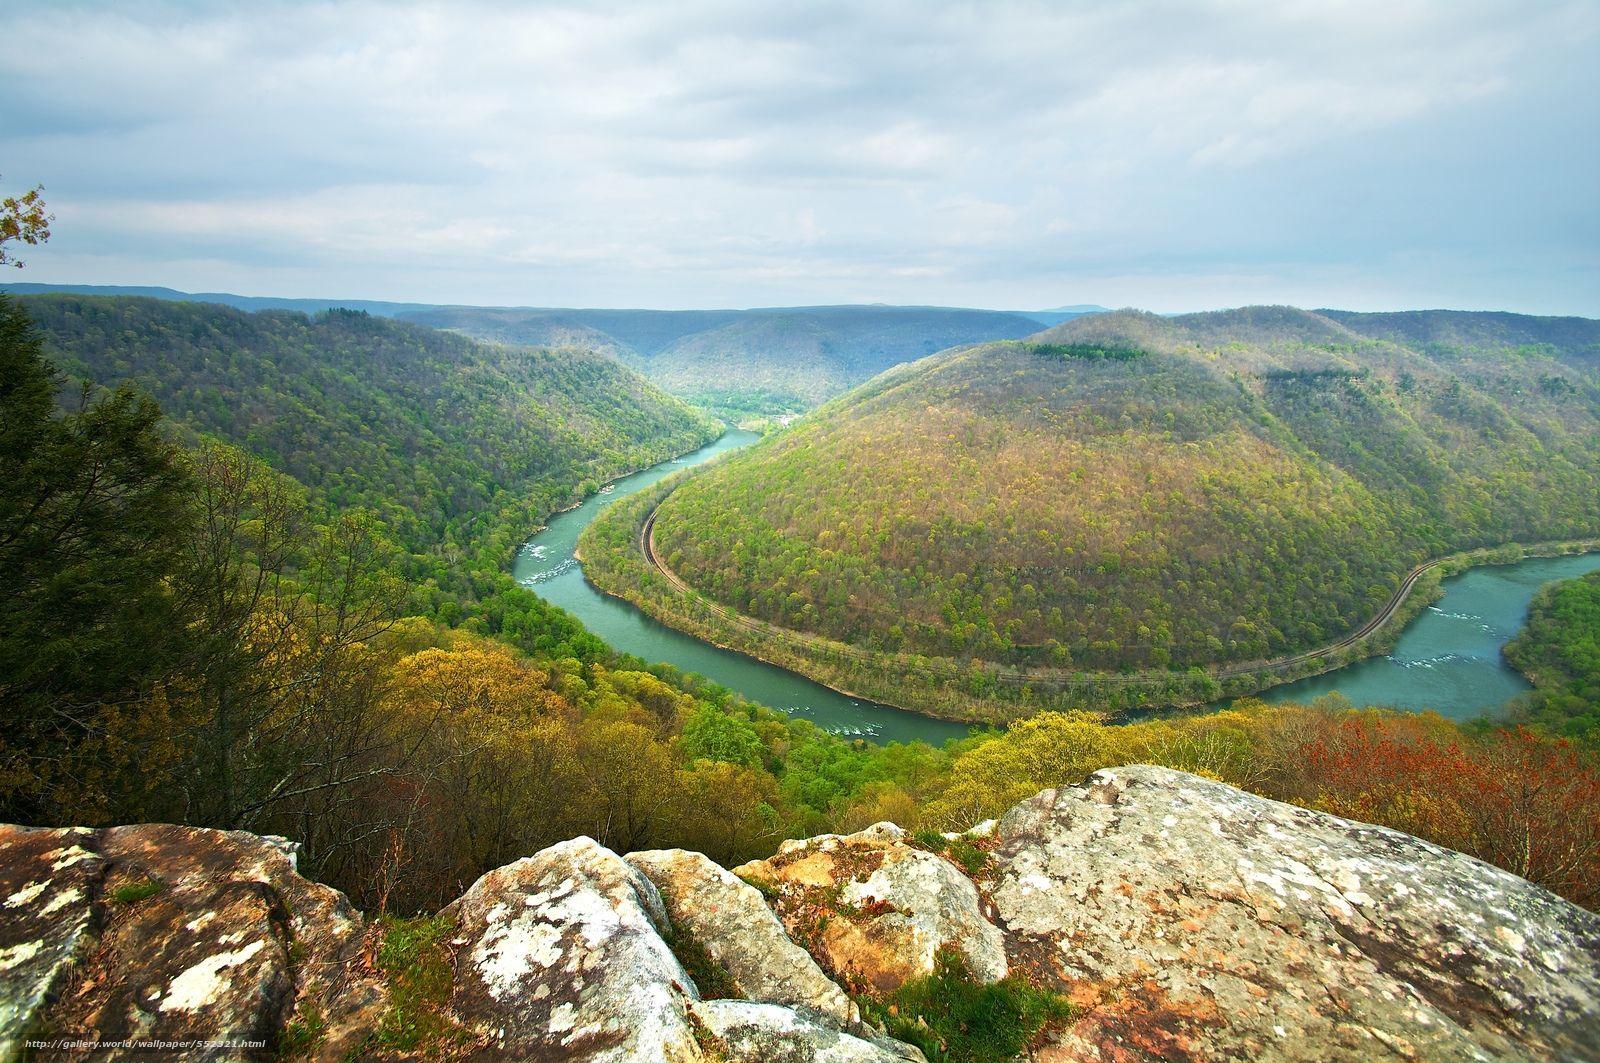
1364 154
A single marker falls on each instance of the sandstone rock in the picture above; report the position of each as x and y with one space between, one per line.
889 907
1195 921
766 1033
560 957
731 921
201 935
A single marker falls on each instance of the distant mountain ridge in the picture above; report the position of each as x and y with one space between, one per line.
761 359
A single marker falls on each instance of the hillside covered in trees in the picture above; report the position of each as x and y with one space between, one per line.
1127 491
737 362
460 449
187 635
1559 652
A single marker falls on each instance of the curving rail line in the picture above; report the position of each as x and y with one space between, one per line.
1044 676
1052 677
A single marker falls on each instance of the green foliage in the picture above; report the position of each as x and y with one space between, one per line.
91 506
971 858
23 219
303 1033
1559 651
952 1016
959 851
414 959
459 449
715 735
134 892
1088 351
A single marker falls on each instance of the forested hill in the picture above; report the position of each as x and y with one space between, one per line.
456 445
1127 490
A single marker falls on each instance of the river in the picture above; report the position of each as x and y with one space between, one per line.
1447 659
545 565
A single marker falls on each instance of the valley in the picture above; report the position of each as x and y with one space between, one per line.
1445 660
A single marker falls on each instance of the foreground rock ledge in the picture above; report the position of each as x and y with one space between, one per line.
1187 919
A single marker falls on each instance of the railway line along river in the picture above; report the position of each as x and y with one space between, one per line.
1447 659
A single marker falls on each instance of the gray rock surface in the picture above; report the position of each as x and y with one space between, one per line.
750 1032
731 921
560 956
158 932
890 906
1194 921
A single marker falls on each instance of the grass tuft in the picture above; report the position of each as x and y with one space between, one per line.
414 958
951 1016
303 1034
134 892
709 977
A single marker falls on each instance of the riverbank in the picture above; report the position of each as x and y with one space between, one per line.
627 567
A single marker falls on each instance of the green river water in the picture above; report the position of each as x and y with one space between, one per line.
1447 659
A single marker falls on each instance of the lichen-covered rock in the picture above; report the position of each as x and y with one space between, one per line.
744 1031
47 883
167 933
731 921
877 909
1195 921
560 956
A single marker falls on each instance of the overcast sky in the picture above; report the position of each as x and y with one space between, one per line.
1172 156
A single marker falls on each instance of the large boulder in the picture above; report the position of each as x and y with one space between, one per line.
730 919
877 909
560 956
166 933
1194 921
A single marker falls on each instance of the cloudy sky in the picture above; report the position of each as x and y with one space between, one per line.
1173 156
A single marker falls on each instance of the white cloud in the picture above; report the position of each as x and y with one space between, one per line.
717 153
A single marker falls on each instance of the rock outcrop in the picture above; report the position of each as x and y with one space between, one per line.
767 1033
163 933
1186 920
560 956
878 908
1195 921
